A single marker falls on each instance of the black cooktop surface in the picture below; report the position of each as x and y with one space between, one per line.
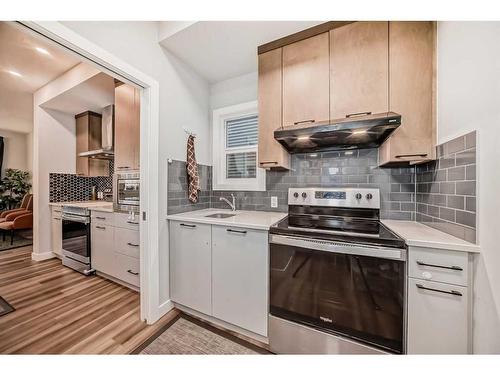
338 228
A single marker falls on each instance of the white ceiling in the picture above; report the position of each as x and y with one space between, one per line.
220 50
91 95
18 53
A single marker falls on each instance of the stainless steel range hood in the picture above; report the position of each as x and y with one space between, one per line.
106 151
357 131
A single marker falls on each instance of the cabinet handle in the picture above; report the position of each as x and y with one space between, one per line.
100 218
58 211
410 156
452 292
357 114
123 167
99 227
132 222
455 268
237 231
132 244
187 225
132 272
57 218
303 122
268 162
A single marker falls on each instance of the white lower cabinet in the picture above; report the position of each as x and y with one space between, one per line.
439 301
102 254
240 278
222 272
190 265
56 230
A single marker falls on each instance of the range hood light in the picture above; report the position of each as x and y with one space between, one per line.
303 138
358 132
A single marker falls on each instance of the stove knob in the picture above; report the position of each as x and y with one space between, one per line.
369 196
295 195
358 196
304 195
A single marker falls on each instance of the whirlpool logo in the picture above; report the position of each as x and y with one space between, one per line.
326 320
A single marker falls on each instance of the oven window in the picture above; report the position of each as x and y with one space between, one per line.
76 238
128 192
356 296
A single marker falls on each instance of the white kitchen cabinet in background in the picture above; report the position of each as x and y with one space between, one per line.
240 277
56 230
102 254
190 265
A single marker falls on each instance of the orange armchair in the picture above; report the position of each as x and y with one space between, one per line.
26 205
18 219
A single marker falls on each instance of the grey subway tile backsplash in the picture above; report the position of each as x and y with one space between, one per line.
446 188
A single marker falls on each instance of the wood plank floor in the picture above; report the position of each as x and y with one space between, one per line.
61 311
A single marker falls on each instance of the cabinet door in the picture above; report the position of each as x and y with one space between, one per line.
102 254
56 232
437 320
306 81
271 153
411 85
190 270
240 277
126 138
359 69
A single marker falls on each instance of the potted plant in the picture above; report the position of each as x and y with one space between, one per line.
13 186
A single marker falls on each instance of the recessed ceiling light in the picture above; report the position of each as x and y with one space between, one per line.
42 50
14 73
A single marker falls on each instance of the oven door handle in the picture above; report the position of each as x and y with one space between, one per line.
339 247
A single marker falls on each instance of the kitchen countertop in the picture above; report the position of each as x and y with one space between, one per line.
418 234
102 206
261 220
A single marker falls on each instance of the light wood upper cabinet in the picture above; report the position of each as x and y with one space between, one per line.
306 81
271 153
411 93
88 137
359 69
127 128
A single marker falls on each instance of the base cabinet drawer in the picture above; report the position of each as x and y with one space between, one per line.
127 221
437 318
101 217
127 269
127 242
438 265
240 277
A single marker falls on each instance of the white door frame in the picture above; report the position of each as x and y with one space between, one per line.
150 96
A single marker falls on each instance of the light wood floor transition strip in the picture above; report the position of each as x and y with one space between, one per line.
61 311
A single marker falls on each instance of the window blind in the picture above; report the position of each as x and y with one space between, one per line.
241 165
242 131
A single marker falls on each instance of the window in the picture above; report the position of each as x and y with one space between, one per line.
235 142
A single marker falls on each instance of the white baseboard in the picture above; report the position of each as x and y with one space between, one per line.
42 256
165 307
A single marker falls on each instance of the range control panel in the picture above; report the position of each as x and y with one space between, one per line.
335 197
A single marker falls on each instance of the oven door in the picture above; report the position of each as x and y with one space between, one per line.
128 192
76 237
339 288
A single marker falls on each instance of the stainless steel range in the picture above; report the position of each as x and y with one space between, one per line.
76 239
337 275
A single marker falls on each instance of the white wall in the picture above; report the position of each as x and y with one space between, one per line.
15 150
184 102
469 99
16 110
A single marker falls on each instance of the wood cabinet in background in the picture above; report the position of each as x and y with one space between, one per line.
271 153
127 128
359 69
411 93
306 81
88 137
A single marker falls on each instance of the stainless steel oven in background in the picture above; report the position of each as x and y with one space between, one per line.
76 239
126 188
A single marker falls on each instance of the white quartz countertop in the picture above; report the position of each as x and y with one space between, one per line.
418 234
92 205
261 220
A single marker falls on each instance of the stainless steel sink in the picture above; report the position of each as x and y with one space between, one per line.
220 215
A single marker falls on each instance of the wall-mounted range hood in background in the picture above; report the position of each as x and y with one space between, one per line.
364 130
106 151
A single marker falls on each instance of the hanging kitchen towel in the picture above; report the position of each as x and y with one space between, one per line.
192 171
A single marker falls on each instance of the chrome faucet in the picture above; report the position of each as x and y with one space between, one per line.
232 205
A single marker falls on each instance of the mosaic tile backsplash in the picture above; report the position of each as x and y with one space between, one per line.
64 187
446 189
357 168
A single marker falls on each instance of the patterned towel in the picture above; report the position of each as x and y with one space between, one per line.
192 171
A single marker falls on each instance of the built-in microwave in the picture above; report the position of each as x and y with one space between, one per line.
127 191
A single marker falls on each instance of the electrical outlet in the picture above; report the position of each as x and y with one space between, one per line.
274 202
